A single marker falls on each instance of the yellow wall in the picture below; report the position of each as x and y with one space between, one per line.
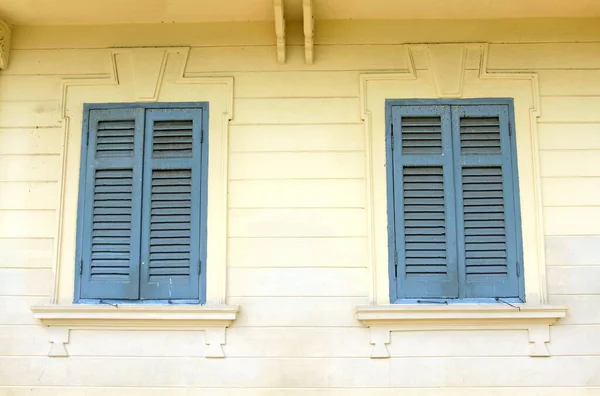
297 247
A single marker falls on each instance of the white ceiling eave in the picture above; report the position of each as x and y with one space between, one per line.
98 12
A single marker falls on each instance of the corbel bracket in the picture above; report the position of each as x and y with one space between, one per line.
279 29
61 319
309 30
5 35
536 319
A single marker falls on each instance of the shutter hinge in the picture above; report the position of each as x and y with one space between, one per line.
395 264
392 138
81 267
199 267
509 129
87 138
201 136
518 269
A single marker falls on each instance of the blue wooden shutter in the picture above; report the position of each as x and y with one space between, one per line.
423 209
487 203
110 230
171 229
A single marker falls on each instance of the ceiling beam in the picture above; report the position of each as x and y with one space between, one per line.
5 34
279 29
309 29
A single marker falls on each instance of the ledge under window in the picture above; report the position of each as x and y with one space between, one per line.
61 319
536 319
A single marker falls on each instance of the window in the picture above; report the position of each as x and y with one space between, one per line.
453 212
142 203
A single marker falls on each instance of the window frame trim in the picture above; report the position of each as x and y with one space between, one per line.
390 200
202 279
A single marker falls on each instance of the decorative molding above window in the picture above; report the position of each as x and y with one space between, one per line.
454 226
145 75
536 319
61 319
460 71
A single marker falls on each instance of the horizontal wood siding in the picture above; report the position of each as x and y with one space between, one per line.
271 391
298 248
560 371
569 143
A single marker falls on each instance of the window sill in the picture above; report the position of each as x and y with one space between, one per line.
536 319
61 319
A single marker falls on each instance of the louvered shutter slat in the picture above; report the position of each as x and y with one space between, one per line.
172 138
422 180
488 245
421 135
480 135
111 210
429 256
175 260
115 138
171 240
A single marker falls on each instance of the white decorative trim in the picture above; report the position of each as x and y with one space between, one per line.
444 73
279 29
162 75
447 64
148 71
309 30
61 319
534 113
407 82
5 36
536 319
59 338
365 113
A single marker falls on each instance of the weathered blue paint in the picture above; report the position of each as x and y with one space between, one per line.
455 285
196 289
175 169
413 280
93 283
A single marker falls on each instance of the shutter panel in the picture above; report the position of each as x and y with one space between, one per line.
488 241
422 179
111 210
171 231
